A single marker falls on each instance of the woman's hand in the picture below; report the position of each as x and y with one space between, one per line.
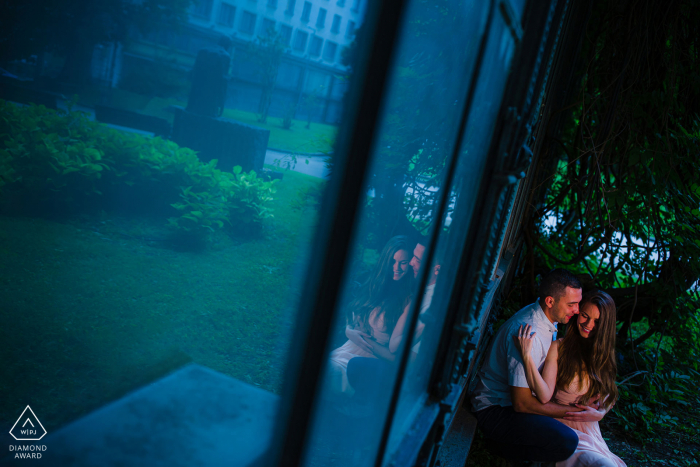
524 339
587 414
358 337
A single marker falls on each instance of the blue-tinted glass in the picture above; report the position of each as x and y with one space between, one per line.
455 225
157 212
420 122
519 8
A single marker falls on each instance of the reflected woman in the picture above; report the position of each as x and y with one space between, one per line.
580 370
382 299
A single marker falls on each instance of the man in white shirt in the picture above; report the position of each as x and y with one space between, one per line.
516 425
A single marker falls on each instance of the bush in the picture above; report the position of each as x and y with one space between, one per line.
62 161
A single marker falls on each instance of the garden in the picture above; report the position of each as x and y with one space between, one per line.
126 258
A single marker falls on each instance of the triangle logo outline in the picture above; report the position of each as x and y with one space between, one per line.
22 416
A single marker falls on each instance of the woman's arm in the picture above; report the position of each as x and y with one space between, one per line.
541 384
361 339
397 333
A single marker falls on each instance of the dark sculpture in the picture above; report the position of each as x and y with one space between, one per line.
209 80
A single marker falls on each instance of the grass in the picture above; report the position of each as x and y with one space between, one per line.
319 138
93 308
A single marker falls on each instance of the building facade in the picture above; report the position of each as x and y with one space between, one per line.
312 76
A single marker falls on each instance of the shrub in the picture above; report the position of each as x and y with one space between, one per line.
53 160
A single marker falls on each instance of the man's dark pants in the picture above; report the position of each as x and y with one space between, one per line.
368 376
526 437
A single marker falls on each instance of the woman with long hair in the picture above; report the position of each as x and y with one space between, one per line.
373 314
580 371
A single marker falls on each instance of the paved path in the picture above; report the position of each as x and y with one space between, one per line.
309 165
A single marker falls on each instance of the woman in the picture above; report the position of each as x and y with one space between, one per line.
374 313
580 370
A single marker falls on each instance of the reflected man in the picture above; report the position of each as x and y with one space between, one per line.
417 265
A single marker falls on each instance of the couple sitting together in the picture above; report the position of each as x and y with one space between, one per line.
377 318
539 398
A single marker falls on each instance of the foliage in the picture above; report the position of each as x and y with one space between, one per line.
659 390
624 204
312 102
266 52
113 313
72 28
621 206
420 120
55 159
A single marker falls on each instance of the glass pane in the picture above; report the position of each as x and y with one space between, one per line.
455 225
421 117
161 214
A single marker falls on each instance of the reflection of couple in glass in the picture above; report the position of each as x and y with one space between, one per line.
540 399
377 318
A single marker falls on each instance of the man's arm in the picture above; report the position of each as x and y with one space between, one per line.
524 402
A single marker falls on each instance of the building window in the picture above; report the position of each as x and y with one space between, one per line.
247 24
272 3
350 31
355 5
315 47
321 18
268 27
329 51
227 13
300 38
335 28
306 12
290 7
202 9
341 3
286 33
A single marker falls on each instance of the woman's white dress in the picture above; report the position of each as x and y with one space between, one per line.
592 451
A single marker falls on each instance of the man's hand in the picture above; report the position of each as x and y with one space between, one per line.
587 414
358 337
524 402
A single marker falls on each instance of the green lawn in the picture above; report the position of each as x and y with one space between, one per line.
96 307
319 138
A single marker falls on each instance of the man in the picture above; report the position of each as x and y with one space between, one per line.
515 423
416 263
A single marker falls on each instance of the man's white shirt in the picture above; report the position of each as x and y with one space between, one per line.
503 366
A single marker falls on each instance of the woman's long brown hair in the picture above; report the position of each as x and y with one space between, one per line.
382 291
592 358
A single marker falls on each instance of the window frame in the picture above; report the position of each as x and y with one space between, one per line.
321 18
306 12
476 290
335 24
232 9
244 21
201 15
312 50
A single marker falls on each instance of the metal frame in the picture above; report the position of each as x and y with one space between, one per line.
474 299
334 236
423 281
